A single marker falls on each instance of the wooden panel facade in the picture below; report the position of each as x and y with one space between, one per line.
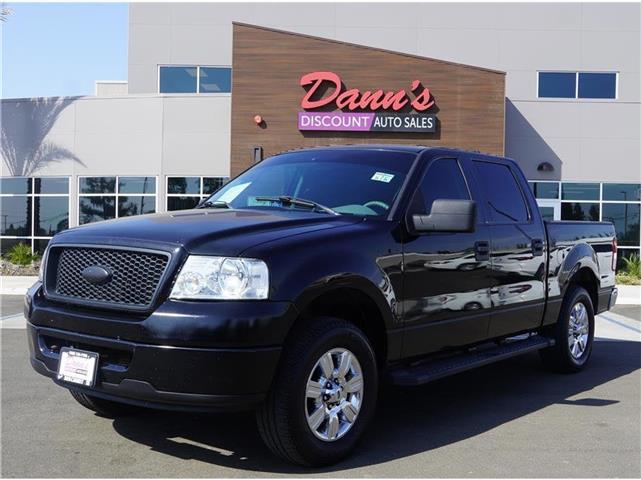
268 65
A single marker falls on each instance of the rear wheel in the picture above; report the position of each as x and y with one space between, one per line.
573 333
324 394
104 408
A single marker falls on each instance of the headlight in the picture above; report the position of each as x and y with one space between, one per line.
222 278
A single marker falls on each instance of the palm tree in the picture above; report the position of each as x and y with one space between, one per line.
4 14
23 136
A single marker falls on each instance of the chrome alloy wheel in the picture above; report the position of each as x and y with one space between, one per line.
334 394
578 330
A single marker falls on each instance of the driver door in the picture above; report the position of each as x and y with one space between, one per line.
446 275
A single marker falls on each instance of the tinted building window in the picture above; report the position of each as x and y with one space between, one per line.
557 84
625 217
32 208
96 208
622 191
214 79
39 245
135 205
50 216
580 211
52 185
16 216
97 185
211 184
597 85
136 184
7 244
580 191
114 197
178 79
15 185
545 189
443 179
505 200
547 213
186 192
183 185
182 203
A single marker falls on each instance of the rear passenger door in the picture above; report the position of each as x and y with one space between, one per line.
446 282
517 245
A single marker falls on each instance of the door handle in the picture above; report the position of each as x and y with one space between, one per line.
537 247
482 251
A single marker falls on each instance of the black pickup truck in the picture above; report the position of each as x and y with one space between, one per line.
312 277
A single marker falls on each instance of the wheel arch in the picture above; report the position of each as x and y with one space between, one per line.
359 302
585 277
580 267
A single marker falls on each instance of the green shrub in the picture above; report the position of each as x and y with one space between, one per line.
20 254
632 265
625 279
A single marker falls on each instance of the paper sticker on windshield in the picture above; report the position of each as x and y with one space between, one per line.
382 177
233 192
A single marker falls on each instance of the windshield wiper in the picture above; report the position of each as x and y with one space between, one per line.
286 200
213 204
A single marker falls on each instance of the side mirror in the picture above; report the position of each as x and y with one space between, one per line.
447 216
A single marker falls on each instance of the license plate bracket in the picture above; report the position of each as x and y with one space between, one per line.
78 366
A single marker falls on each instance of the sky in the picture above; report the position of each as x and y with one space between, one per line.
58 49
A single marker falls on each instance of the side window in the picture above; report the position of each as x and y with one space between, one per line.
504 198
443 179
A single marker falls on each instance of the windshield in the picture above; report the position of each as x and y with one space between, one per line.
353 182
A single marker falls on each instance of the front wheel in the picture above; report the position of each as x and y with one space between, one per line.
573 333
324 394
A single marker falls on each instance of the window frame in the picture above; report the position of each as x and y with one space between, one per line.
30 239
576 86
197 92
116 194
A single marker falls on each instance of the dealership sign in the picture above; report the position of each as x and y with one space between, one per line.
368 111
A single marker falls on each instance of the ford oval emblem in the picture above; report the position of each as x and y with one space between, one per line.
97 275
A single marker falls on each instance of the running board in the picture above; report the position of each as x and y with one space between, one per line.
429 371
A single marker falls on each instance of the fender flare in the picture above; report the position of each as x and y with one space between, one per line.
381 295
581 256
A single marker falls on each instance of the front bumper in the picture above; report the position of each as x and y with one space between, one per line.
186 360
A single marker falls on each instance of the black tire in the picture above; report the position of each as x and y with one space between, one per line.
559 357
104 408
282 419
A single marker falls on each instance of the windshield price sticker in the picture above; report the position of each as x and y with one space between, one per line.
382 177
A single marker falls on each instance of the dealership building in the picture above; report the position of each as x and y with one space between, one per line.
214 88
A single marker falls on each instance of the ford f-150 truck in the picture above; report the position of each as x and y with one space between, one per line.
309 279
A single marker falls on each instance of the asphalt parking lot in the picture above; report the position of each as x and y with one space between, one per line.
511 419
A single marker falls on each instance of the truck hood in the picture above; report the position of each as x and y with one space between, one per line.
205 231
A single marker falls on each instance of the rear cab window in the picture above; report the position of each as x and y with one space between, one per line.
504 200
